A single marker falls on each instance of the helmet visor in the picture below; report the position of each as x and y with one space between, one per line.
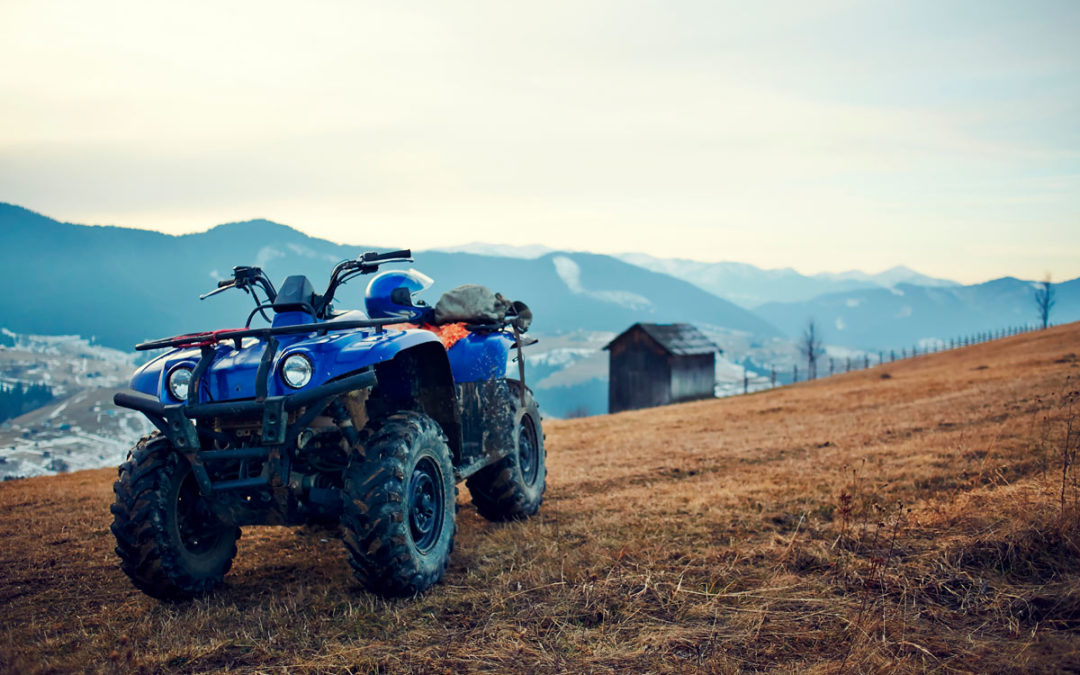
425 282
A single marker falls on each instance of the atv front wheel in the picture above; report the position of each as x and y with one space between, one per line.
513 487
170 543
399 519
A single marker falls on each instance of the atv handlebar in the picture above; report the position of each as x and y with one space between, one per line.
223 285
365 263
245 278
372 256
248 279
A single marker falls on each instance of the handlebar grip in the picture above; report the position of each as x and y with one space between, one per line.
389 255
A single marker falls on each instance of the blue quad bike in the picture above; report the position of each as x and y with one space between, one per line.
326 416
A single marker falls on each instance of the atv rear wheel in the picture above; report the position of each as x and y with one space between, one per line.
170 543
399 519
513 487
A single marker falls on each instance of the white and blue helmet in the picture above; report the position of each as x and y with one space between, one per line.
393 294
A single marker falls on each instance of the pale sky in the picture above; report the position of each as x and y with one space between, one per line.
819 134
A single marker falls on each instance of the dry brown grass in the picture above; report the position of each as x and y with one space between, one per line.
860 523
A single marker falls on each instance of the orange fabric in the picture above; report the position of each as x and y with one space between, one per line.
448 333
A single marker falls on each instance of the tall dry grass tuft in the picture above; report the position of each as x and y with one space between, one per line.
1070 443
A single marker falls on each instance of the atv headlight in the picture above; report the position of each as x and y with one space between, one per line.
297 371
179 381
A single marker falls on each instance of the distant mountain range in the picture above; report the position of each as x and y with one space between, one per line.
122 285
743 284
880 318
749 286
894 308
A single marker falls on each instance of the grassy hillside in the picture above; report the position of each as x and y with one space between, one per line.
906 518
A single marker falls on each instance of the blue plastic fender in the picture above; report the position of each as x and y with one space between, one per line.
233 372
479 357
339 354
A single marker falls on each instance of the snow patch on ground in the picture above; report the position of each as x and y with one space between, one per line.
570 273
80 428
42 449
561 357
267 254
931 344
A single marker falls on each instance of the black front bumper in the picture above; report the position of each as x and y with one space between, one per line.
278 436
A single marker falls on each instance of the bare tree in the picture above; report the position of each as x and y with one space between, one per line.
810 346
1044 300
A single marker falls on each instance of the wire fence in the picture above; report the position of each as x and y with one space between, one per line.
826 365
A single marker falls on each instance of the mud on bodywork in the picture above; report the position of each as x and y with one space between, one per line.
419 378
487 418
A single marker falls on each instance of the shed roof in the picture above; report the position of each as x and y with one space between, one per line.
679 339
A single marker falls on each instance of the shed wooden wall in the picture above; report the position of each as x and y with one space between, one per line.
639 375
692 377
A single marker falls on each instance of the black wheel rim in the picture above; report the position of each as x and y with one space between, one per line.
528 451
425 504
198 528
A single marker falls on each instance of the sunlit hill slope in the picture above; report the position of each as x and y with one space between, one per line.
907 517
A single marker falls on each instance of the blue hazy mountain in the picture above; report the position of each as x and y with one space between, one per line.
123 285
750 286
883 318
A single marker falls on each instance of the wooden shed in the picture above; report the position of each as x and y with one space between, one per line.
655 364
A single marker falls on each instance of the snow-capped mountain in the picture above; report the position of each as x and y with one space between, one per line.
749 286
891 277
